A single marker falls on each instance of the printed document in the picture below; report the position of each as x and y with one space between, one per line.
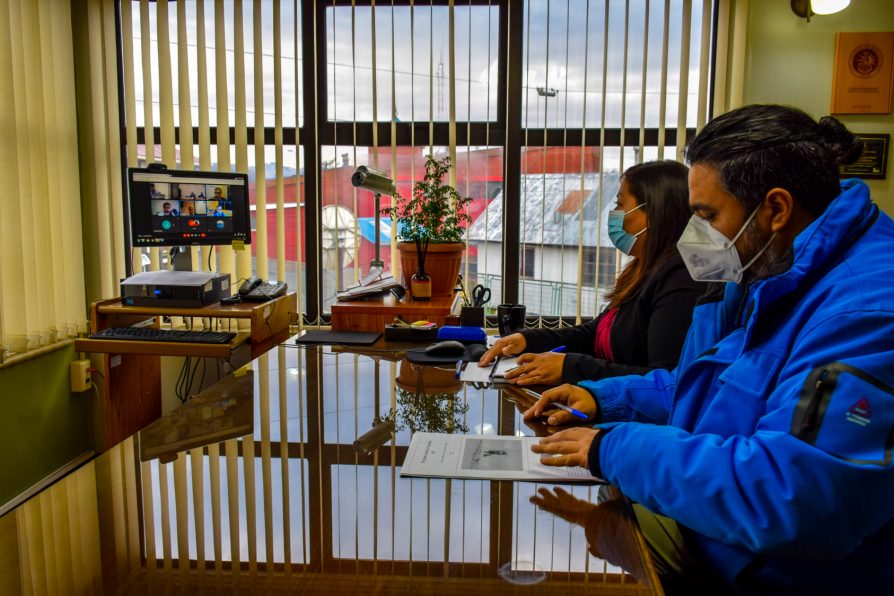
484 457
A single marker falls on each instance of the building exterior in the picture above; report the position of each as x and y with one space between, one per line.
560 212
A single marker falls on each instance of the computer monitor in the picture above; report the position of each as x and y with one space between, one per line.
184 207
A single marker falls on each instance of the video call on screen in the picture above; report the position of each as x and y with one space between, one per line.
196 210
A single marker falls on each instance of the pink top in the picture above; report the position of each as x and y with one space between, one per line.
602 344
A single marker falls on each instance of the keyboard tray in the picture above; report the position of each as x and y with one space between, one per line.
154 334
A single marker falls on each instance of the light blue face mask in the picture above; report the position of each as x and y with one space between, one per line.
622 240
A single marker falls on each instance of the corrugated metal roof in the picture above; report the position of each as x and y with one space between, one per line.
544 198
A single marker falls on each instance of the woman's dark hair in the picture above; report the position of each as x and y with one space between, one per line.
759 147
664 188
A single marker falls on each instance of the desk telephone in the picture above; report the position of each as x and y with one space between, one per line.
255 289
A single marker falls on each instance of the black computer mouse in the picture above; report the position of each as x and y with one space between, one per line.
475 352
446 348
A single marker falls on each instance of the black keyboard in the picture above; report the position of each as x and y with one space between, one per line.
170 335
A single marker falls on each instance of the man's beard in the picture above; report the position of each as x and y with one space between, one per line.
775 259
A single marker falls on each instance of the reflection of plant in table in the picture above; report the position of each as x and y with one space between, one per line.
429 412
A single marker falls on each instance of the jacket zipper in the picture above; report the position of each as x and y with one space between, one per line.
808 425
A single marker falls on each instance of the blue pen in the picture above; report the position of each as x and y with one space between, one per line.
459 368
557 404
570 410
558 349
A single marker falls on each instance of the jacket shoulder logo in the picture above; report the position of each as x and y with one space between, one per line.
860 413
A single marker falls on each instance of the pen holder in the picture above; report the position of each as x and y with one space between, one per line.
471 316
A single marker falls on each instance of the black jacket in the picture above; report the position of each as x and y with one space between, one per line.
648 331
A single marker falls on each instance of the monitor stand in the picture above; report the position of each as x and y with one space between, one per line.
181 257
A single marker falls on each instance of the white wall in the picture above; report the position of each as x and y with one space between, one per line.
790 62
490 258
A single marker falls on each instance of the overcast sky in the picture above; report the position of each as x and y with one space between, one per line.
563 51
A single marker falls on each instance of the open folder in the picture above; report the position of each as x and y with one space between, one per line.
373 287
484 457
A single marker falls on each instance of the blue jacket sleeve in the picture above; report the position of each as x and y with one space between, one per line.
814 479
645 398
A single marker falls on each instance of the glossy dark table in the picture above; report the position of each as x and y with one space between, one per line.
256 486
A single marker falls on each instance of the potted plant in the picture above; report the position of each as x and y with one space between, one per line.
430 232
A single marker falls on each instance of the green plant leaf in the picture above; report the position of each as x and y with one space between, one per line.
434 213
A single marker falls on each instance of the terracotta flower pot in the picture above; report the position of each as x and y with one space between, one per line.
442 262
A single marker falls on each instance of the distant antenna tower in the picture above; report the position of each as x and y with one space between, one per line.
441 84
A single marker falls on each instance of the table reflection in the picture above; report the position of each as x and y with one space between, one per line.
257 482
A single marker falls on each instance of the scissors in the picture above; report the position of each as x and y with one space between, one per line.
480 295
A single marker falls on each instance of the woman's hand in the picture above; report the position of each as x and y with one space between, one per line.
537 369
505 346
569 447
571 395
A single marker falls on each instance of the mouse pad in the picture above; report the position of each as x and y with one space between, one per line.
472 354
325 336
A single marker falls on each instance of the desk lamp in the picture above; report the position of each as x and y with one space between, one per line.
379 184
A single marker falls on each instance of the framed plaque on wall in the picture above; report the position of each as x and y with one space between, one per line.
862 80
873 164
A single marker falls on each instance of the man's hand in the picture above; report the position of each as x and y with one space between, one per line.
505 346
571 395
566 448
537 369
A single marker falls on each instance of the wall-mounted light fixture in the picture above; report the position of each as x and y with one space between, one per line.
807 8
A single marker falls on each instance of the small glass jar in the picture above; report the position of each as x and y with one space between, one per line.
420 285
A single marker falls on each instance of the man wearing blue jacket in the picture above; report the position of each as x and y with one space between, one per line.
768 451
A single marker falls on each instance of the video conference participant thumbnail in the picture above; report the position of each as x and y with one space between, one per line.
221 198
166 208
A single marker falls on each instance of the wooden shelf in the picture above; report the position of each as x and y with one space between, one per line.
266 318
131 370
372 314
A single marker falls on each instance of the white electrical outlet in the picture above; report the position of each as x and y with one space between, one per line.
81 379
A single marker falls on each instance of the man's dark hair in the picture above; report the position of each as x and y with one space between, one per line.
759 147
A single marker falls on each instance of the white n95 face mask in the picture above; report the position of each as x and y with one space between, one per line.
711 256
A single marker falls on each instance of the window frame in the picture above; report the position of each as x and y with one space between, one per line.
317 131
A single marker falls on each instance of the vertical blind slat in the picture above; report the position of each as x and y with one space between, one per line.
184 91
583 144
165 85
300 189
721 57
148 112
682 105
662 99
261 264
243 257
278 148
703 69
226 254
737 67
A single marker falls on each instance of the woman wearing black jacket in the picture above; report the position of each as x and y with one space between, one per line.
649 309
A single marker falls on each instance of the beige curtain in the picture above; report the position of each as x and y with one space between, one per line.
732 39
41 270
100 146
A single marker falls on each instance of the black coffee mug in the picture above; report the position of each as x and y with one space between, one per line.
510 318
